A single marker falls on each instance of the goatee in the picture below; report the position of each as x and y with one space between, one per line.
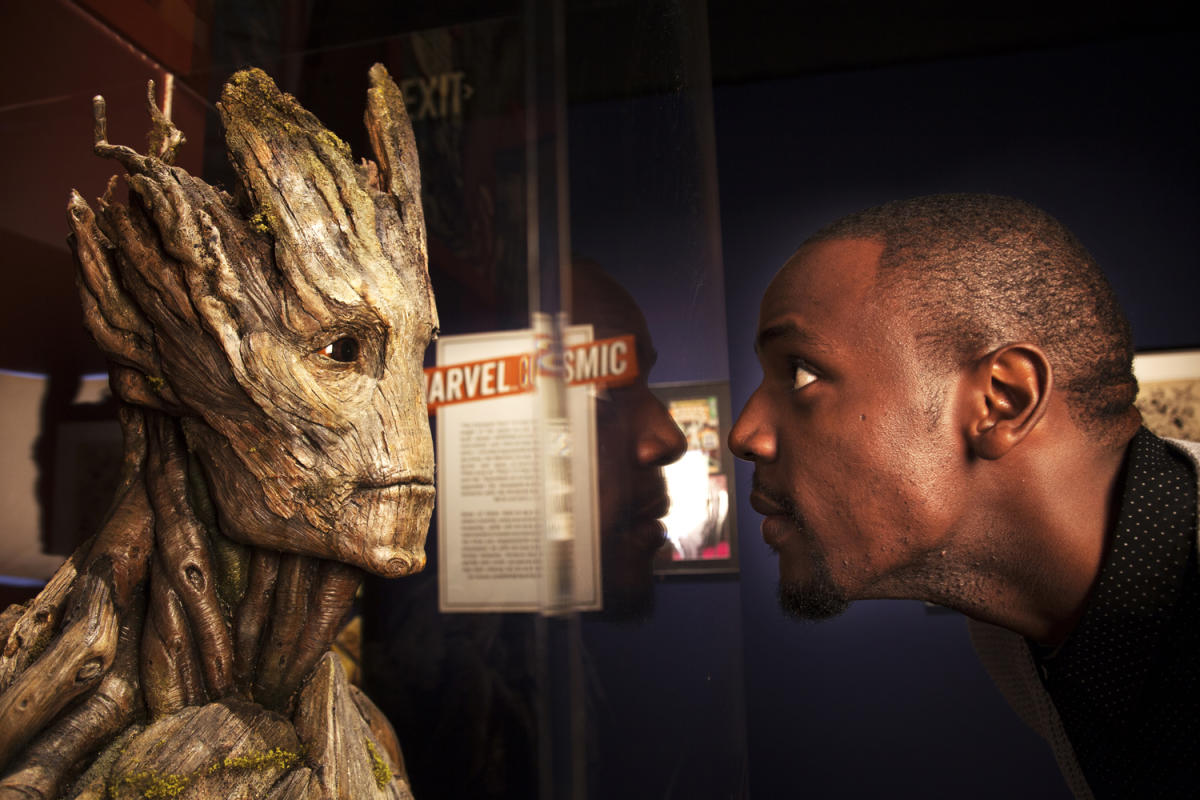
818 596
812 599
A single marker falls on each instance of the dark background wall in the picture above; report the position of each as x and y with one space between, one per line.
889 700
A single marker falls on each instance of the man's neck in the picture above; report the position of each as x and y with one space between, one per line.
1042 542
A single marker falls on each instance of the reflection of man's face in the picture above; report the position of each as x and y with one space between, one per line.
849 436
635 438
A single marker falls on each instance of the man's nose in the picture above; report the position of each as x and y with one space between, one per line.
752 437
660 442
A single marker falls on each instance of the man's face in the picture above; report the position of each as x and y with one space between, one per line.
850 433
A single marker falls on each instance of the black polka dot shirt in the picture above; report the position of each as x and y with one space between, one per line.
1126 681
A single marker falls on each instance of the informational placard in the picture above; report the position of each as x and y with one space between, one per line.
492 519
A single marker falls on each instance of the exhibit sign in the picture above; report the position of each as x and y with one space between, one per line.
493 523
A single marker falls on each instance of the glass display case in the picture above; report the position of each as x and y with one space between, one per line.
596 617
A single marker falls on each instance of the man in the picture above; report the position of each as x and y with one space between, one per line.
946 413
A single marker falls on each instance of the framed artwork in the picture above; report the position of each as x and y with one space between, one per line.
1169 392
701 524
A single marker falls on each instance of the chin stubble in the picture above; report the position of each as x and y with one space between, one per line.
818 596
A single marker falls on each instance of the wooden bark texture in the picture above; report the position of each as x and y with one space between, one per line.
266 348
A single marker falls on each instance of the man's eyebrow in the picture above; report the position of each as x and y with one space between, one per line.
787 329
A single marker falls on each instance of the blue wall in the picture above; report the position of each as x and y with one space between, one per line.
889 701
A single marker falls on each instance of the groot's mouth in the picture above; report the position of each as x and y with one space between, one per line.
414 482
421 480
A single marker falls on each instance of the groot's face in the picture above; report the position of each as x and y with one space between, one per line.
336 459
330 453
286 329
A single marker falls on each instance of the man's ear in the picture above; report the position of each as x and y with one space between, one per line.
1008 393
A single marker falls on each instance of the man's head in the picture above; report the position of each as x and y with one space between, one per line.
980 270
902 347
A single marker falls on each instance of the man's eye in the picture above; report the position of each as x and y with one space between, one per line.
344 349
801 377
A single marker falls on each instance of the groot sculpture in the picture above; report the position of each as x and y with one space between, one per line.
266 349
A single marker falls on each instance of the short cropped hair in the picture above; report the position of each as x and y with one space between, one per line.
979 271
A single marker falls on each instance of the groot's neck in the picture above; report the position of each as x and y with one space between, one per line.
292 611
224 617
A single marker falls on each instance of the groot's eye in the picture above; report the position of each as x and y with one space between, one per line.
343 349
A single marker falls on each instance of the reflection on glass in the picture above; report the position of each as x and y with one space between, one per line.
461 689
636 437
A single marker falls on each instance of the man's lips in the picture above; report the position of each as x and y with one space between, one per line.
777 530
780 522
767 506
